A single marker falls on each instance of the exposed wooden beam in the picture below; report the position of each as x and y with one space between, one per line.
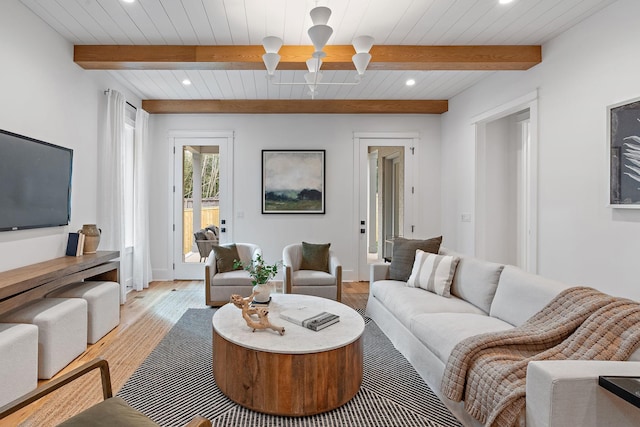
384 57
317 106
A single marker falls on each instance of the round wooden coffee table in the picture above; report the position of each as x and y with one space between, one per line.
302 372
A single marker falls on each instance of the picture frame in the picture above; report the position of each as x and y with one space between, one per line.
293 182
623 134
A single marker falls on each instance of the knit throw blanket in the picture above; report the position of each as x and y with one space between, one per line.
488 371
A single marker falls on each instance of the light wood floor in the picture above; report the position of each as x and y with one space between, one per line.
144 320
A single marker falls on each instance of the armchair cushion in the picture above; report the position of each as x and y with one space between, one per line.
313 278
404 254
226 257
315 257
232 278
108 413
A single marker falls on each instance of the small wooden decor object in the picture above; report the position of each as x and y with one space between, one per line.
263 322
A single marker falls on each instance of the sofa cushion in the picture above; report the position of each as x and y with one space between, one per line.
433 273
440 332
405 302
475 280
404 253
520 295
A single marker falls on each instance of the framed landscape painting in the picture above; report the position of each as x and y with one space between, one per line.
293 181
624 154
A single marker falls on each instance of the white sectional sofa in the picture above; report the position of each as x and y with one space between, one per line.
489 297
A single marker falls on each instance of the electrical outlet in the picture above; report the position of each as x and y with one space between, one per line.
465 217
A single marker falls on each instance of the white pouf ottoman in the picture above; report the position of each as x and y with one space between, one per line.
103 299
62 330
18 360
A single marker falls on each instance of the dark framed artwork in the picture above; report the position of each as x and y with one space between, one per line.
624 154
293 181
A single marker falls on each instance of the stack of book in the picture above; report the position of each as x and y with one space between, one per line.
75 244
310 318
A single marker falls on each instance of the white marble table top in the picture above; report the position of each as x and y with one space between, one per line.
229 324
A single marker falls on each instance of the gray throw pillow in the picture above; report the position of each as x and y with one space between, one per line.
226 256
315 257
404 254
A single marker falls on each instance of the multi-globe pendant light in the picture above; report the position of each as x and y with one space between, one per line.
319 33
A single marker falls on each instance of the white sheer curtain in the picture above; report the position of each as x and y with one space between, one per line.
111 181
141 257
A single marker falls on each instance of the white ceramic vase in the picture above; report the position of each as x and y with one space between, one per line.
263 292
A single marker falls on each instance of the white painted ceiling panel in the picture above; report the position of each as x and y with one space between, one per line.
244 22
115 19
151 20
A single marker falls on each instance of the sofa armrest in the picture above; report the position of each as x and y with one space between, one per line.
566 392
378 272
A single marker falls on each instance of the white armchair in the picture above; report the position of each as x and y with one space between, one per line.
219 286
311 282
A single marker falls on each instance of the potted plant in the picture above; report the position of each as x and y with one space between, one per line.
260 274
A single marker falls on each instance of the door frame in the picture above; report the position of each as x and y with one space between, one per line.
361 143
530 178
226 190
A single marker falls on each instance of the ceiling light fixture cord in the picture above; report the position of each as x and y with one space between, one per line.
319 33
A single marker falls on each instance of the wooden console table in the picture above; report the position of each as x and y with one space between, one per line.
22 285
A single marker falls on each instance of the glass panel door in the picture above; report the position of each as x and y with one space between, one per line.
199 199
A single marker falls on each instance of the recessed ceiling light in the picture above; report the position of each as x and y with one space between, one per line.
410 82
505 1
129 1
186 82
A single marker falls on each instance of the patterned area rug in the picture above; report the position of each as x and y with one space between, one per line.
176 382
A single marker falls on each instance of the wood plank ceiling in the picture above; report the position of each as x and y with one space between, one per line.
446 46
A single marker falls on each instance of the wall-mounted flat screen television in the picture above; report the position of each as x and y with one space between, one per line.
35 183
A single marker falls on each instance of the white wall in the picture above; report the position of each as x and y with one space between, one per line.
333 133
48 97
580 239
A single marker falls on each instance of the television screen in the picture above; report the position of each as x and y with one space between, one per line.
35 183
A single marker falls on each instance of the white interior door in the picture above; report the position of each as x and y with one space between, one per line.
384 183
201 198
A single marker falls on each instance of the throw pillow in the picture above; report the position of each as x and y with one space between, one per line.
210 235
404 253
226 256
433 273
315 257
